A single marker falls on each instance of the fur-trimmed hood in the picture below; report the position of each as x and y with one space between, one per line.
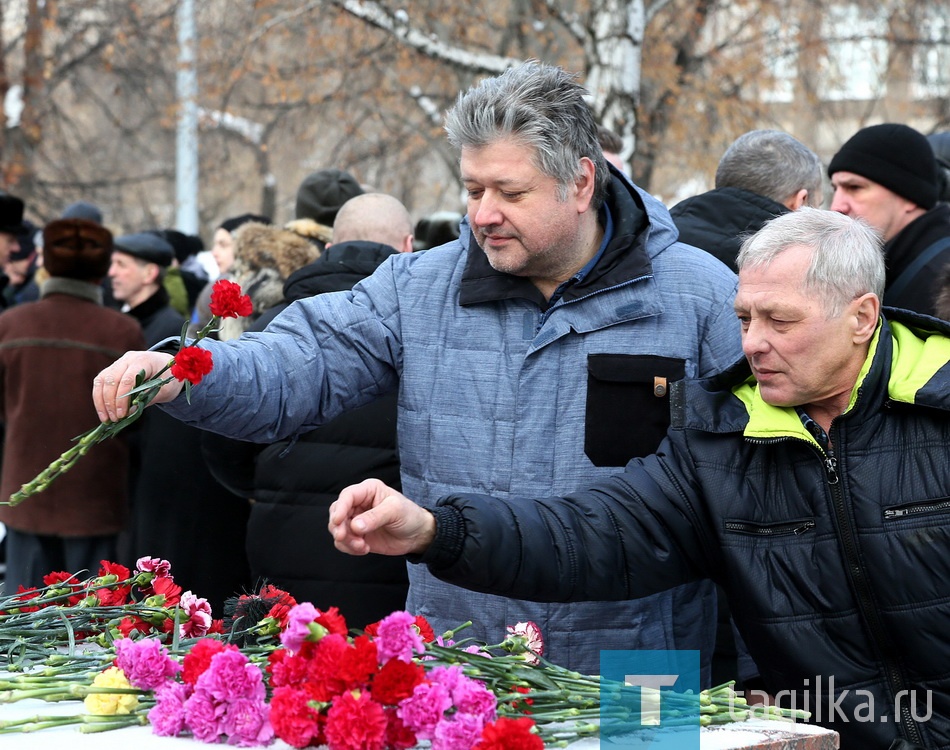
321 234
264 256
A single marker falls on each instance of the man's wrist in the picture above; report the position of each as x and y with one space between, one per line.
447 536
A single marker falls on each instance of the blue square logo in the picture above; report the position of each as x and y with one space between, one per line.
649 699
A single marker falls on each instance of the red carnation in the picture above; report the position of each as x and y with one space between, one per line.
129 625
356 723
510 734
425 629
198 659
167 588
192 363
228 302
23 595
332 620
113 596
396 680
398 735
63 580
293 720
359 662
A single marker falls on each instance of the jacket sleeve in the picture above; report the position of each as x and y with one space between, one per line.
638 533
318 358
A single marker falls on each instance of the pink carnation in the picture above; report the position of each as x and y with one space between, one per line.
203 716
198 614
161 568
398 638
423 710
462 732
247 724
473 698
230 676
297 629
167 716
146 663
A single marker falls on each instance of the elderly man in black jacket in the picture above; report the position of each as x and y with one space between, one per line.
810 481
763 174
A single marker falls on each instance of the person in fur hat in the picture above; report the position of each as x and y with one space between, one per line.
320 196
76 522
264 256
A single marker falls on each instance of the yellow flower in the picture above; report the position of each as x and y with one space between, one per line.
110 704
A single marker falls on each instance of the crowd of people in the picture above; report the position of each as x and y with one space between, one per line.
720 426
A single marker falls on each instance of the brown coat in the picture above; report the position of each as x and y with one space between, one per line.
50 351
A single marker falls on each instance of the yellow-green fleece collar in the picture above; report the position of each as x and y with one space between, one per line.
917 356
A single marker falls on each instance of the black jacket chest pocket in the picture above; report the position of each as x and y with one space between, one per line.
628 405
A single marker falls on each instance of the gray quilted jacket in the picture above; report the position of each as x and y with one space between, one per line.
500 394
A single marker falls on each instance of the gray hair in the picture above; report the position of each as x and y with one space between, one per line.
541 106
770 163
847 254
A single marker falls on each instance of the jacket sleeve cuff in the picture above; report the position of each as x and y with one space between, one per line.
446 547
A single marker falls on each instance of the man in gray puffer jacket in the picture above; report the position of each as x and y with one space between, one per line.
532 356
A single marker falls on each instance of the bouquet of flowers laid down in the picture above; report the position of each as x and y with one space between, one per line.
189 365
136 650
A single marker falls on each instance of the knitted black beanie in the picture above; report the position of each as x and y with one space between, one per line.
895 156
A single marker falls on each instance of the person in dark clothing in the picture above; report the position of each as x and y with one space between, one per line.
179 512
809 480
76 522
940 143
186 273
293 482
887 175
320 196
11 226
763 174
21 267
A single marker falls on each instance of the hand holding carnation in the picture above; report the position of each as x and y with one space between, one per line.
122 391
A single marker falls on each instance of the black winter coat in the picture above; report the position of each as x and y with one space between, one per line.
837 568
920 292
717 221
179 511
293 482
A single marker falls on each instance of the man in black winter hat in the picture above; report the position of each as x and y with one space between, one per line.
319 198
887 175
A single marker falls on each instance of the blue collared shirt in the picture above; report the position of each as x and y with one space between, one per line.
579 276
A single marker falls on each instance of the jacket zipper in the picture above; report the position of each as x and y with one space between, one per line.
913 509
774 529
865 600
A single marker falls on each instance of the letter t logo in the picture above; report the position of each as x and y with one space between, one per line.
650 685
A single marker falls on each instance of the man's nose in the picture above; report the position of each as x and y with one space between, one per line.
754 339
487 212
839 203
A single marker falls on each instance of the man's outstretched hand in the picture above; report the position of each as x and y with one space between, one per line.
372 517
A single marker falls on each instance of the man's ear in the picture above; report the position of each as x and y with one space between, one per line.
154 271
584 185
867 311
797 200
